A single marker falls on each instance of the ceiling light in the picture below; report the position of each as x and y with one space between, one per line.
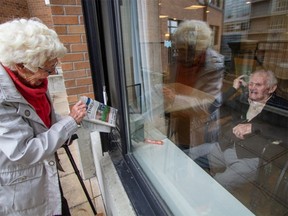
193 7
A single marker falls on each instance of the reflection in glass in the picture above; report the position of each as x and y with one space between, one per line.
184 110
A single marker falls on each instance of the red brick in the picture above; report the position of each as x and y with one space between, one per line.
77 90
63 2
84 81
67 66
81 19
86 56
76 29
70 38
70 83
61 29
57 10
78 47
74 74
60 20
81 65
88 72
91 89
71 57
78 2
73 10
84 39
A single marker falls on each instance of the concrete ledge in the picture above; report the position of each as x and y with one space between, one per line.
114 195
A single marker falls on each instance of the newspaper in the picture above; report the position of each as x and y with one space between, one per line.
99 113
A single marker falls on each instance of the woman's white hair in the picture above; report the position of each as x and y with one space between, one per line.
30 42
193 32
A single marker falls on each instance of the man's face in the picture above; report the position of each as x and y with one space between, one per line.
258 88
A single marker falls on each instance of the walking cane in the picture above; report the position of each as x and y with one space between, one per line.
66 147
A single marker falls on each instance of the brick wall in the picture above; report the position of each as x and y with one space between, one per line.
68 23
13 8
37 8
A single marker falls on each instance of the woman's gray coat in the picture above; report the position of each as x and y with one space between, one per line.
29 183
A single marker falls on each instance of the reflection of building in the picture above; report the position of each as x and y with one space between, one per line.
269 26
191 10
262 23
236 24
268 20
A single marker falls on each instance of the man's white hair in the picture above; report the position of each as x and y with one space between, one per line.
271 78
193 32
30 42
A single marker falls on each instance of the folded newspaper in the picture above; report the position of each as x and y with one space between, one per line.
99 113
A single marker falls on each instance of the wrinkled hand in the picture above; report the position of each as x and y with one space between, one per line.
241 130
78 111
239 81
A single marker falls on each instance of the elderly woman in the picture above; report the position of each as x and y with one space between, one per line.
30 131
199 67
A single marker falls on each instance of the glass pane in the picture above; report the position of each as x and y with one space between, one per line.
207 124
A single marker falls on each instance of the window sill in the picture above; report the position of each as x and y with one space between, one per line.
177 177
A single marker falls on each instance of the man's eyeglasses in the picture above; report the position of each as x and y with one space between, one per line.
51 70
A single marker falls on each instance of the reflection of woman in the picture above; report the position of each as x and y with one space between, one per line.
30 134
199 67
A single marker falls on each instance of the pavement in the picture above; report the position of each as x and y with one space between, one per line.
72 189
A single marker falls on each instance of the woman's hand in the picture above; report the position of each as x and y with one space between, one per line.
78 111
169 94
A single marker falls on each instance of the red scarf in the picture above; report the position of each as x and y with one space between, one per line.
187 75
35 96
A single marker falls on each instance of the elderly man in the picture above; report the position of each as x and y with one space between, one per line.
259 119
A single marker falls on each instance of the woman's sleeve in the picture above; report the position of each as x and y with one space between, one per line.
19 141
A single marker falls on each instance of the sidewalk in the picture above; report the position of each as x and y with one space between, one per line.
73 192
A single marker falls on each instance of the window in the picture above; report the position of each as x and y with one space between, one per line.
237 9
280 5
215 33
216 3
179 133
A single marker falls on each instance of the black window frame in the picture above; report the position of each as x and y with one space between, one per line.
140 191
